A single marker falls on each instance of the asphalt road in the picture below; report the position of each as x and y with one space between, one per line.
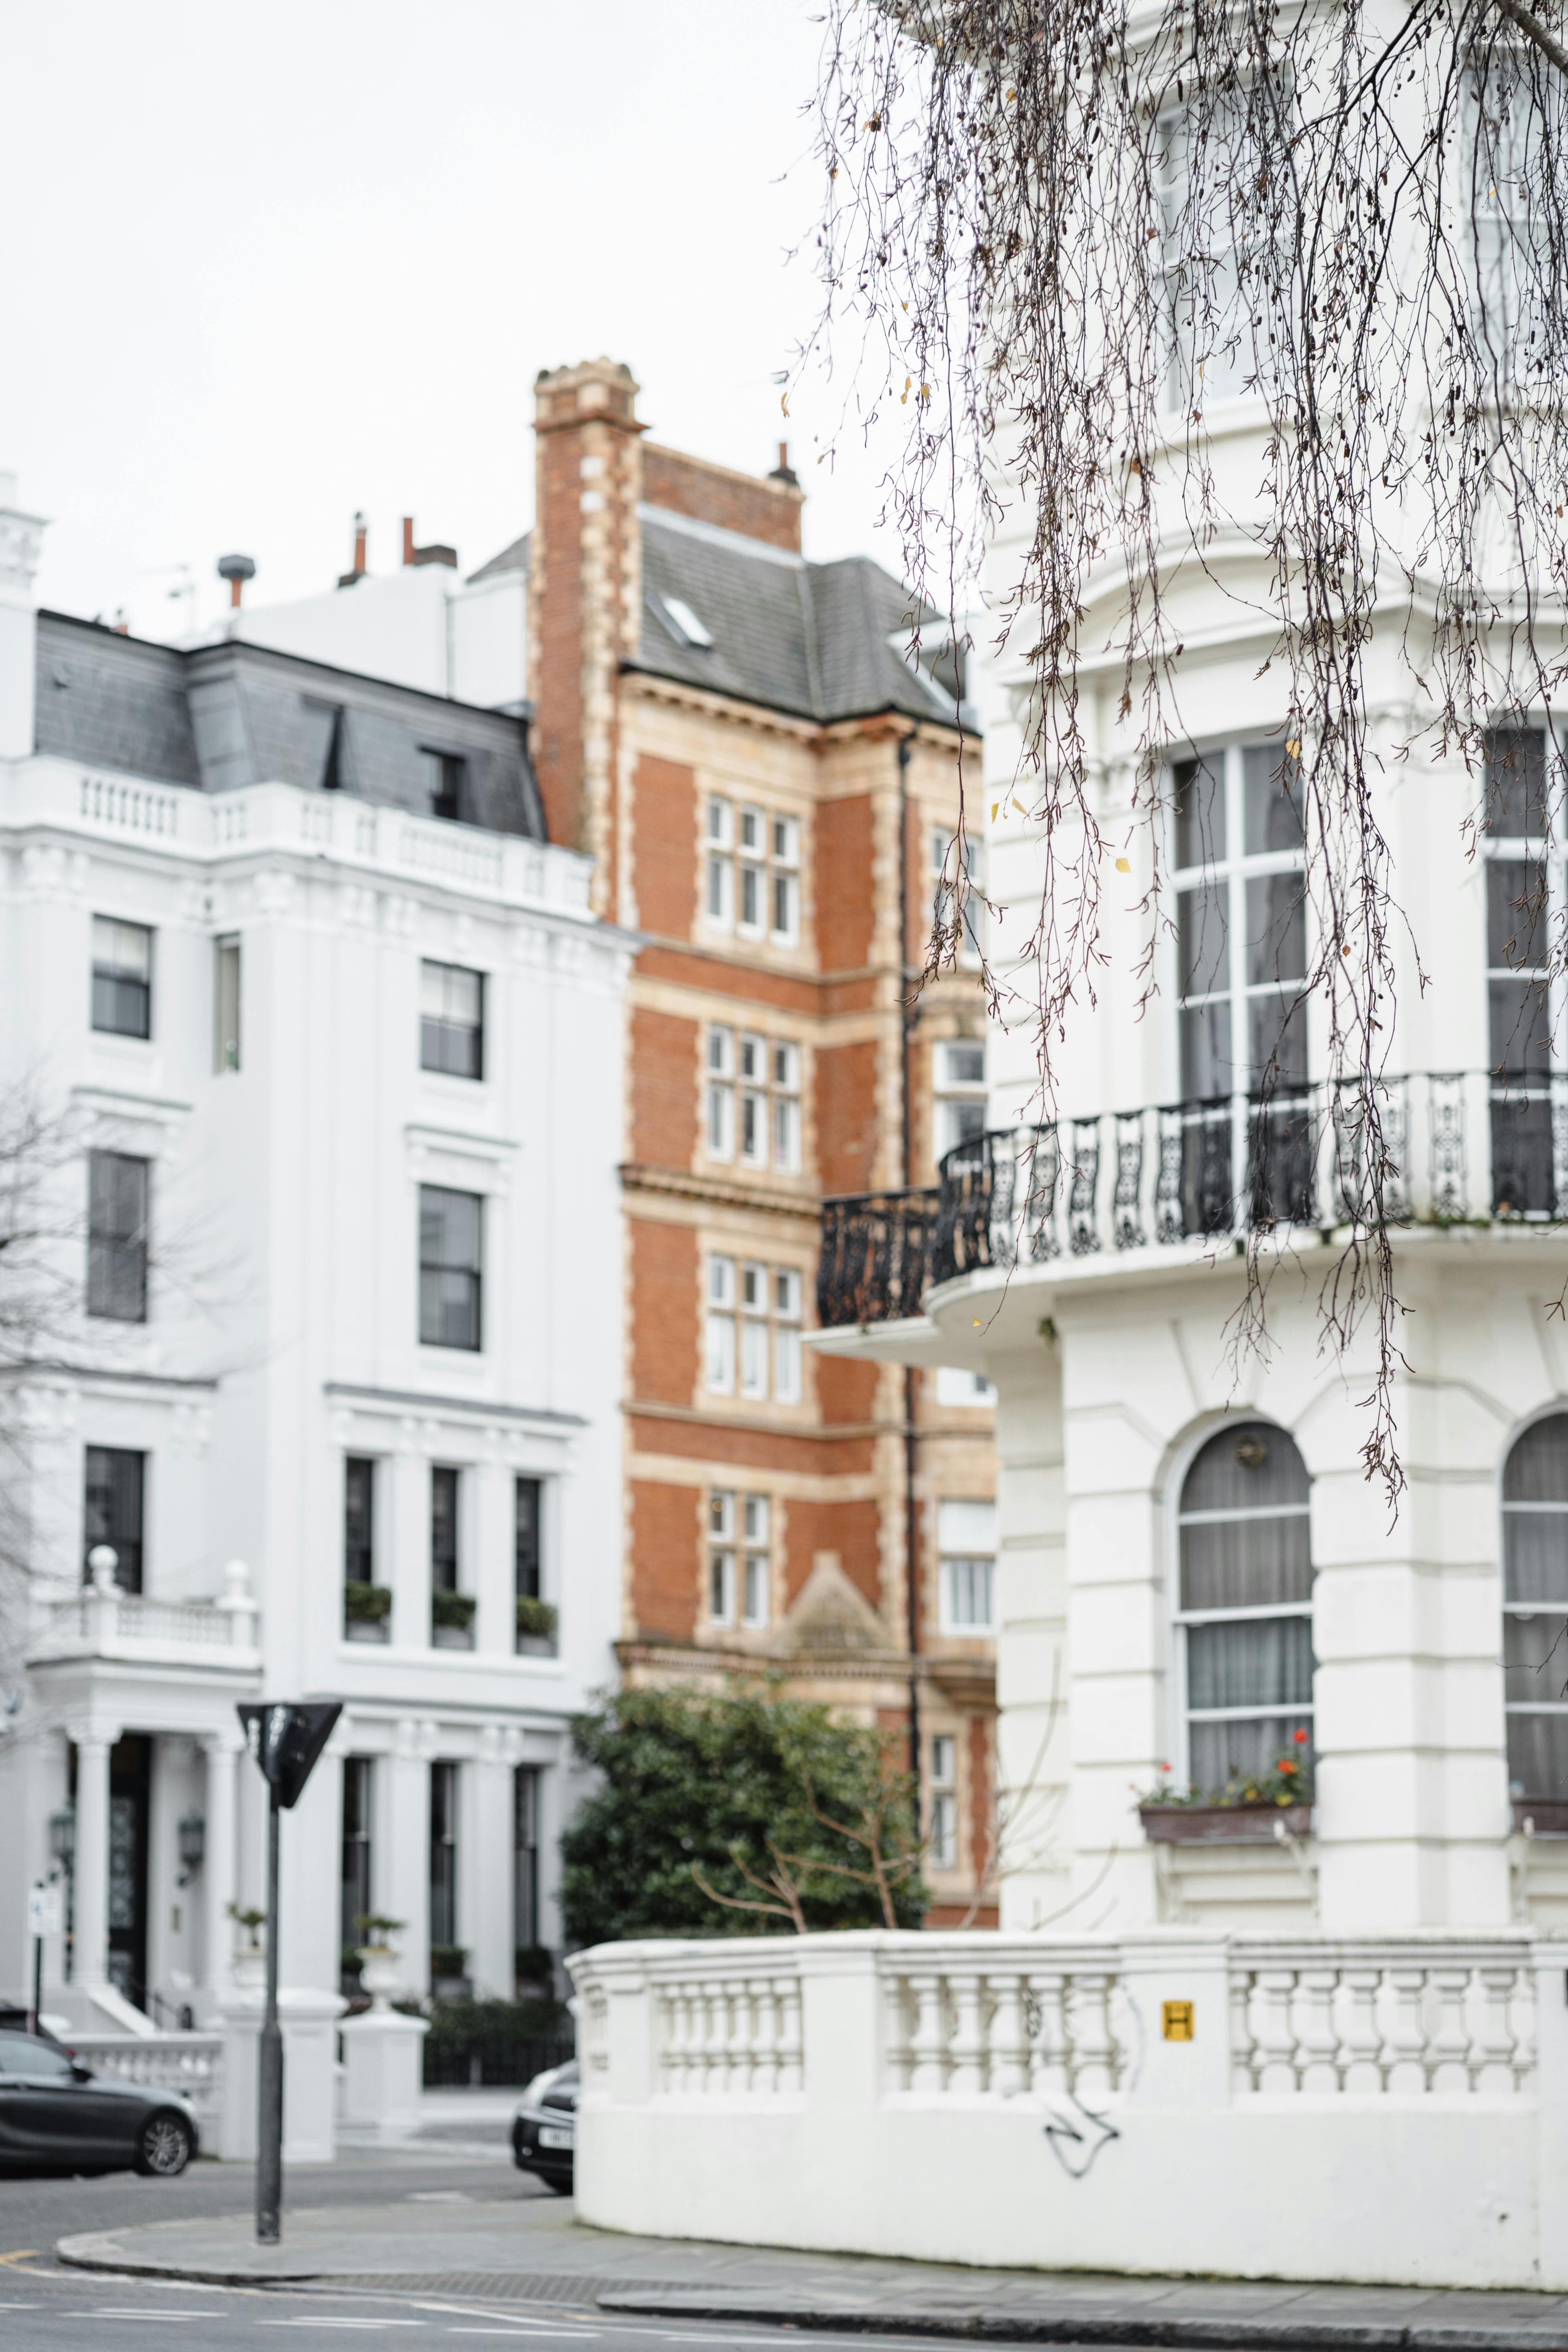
61 2311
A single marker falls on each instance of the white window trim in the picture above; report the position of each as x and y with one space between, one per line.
1177 1747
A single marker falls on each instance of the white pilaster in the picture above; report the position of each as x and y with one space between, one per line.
402 1857
220 1868
90 1956
486 1867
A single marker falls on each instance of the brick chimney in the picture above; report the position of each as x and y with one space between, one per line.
585 599
21 538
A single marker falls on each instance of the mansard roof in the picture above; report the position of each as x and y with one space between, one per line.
221 716
822 641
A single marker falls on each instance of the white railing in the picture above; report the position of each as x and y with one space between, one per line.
723 2035
187 2065
1389 2108
202 825
1007 2026
102 1621
1382 2018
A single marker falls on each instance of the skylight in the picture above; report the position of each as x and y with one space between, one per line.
687 626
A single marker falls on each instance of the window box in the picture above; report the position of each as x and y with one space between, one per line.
1243 1824
536 1625
452 1620
1548 1816
367 1611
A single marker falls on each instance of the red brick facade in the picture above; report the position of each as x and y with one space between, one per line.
767 1522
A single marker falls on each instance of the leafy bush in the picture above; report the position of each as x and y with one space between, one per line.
367 1604
448 1959
715 1787
538 1617
451 1608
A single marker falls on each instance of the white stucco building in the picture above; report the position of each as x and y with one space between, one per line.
339 1048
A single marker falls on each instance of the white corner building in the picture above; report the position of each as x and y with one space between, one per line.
328 1047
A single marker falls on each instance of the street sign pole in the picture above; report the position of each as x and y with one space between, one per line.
270 2063
286 1742
46 1913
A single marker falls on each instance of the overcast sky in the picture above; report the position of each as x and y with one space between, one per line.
261 267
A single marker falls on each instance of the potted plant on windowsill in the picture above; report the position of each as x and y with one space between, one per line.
1250 1810
533 1973
367 1611
249 1961
378 1955
448 1977
452 1620
536 1623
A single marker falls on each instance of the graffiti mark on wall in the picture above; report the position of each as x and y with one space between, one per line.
1077 2135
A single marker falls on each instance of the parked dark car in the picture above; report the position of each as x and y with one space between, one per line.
544 2129
58 2116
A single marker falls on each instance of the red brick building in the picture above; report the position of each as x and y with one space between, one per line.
769 787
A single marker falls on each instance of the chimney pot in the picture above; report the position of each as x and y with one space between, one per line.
236 569
347 579
408 539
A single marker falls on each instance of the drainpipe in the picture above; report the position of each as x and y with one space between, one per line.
906 1018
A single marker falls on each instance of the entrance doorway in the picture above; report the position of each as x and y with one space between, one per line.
129 1788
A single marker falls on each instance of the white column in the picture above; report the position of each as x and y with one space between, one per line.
485 1868
91 1960
491 1559
405 1529
219 1871
401 1860
20 537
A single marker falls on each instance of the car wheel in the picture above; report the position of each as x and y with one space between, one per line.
165 2147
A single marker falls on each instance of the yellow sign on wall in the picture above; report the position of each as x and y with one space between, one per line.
1176 2019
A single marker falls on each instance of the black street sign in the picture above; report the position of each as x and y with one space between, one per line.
286 1742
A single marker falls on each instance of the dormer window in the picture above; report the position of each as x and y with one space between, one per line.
684 624
446 786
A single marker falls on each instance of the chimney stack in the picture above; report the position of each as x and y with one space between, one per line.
783 472
347 579
585 599
236 569
435 553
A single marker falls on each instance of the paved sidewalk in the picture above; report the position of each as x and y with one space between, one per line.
526 2248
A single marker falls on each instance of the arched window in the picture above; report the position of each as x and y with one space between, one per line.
1245 1602
1535 1609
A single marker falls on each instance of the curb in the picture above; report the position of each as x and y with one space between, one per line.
1025 2327
97 2251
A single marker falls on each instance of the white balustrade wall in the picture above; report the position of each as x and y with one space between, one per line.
1390 2109
188 2064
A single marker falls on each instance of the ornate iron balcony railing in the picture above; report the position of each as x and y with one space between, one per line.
1456 1146
876 1260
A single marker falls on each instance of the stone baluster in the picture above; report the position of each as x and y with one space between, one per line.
1493 2057
1276 2063
1009 2038
1093 2050
968 2073
1243 2040
765 2048
737 2037
928 2071
1320 2036
1449 2051
791 2056
1050 2068
1361 2067
1404 2049
713 2015
682 2053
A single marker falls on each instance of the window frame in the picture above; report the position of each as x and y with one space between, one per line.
446 1025
227 959
1232 873
942 1791
781 1311
1179 1621
476 1273
137 1580
119 976
1554 1409
110 1254
1510 1087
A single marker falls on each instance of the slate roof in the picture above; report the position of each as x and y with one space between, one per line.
222 716
822 641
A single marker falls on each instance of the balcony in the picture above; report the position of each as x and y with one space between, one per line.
1457 1148
102 1621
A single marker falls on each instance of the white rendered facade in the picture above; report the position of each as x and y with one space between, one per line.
290 1168
1111 1342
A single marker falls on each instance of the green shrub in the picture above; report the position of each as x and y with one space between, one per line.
367 1604
537 1617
